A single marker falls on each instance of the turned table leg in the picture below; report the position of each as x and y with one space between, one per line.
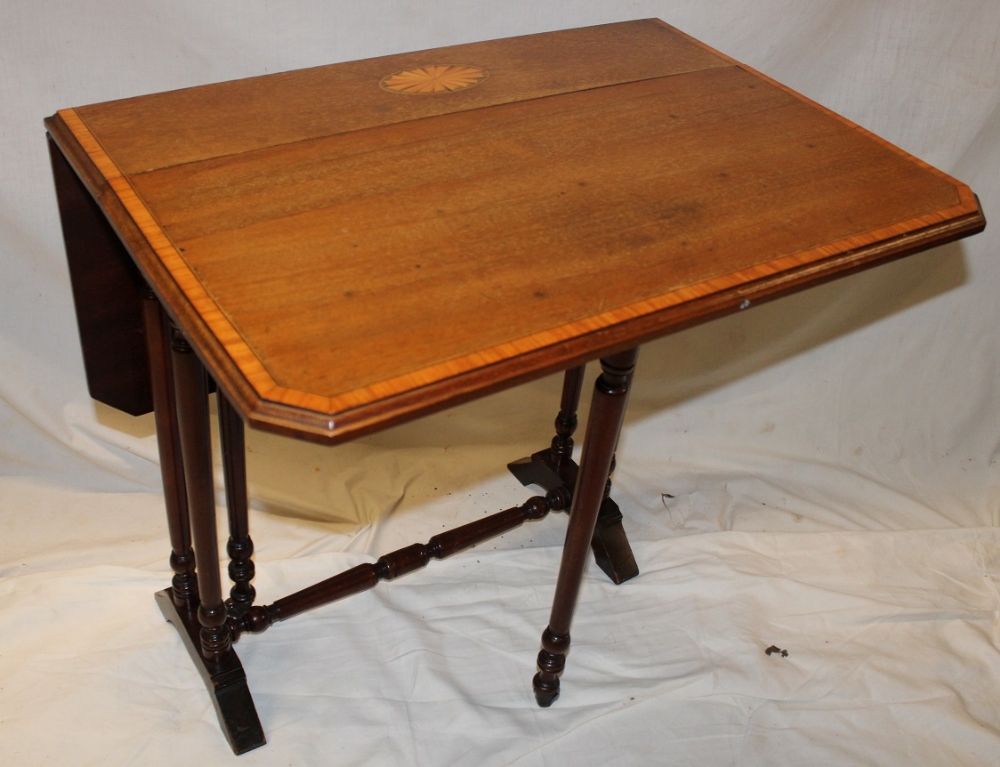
607 412
240 546
196 448
555 467
561 449
184 586
206 633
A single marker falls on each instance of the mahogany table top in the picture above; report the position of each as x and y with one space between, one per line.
353 245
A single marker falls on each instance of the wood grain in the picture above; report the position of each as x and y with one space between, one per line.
466 255
343 278
238 116
107 293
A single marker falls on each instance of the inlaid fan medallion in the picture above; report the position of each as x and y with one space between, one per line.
433 79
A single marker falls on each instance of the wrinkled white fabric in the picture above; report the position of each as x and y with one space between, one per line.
818 474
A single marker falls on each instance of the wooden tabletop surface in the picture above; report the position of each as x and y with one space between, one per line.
352 245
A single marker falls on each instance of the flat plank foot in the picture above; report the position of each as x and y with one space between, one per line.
537 470
610 545
226 681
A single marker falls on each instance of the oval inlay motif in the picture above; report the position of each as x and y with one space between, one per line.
433 79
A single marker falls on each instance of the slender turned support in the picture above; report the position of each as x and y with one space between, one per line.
184 586
202 625
196 446
561 450
553 467
607 412
397 563
240 546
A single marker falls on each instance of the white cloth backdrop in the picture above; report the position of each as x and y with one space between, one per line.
819 473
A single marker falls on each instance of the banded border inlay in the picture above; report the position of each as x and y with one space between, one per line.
170 257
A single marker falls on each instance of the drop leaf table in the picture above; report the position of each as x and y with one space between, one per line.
342 248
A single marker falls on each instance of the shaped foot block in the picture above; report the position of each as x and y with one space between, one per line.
610 545
226 681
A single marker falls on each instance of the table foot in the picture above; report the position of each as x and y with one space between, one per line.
537 470
226 681
550 665
611 548
610 545
545 695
